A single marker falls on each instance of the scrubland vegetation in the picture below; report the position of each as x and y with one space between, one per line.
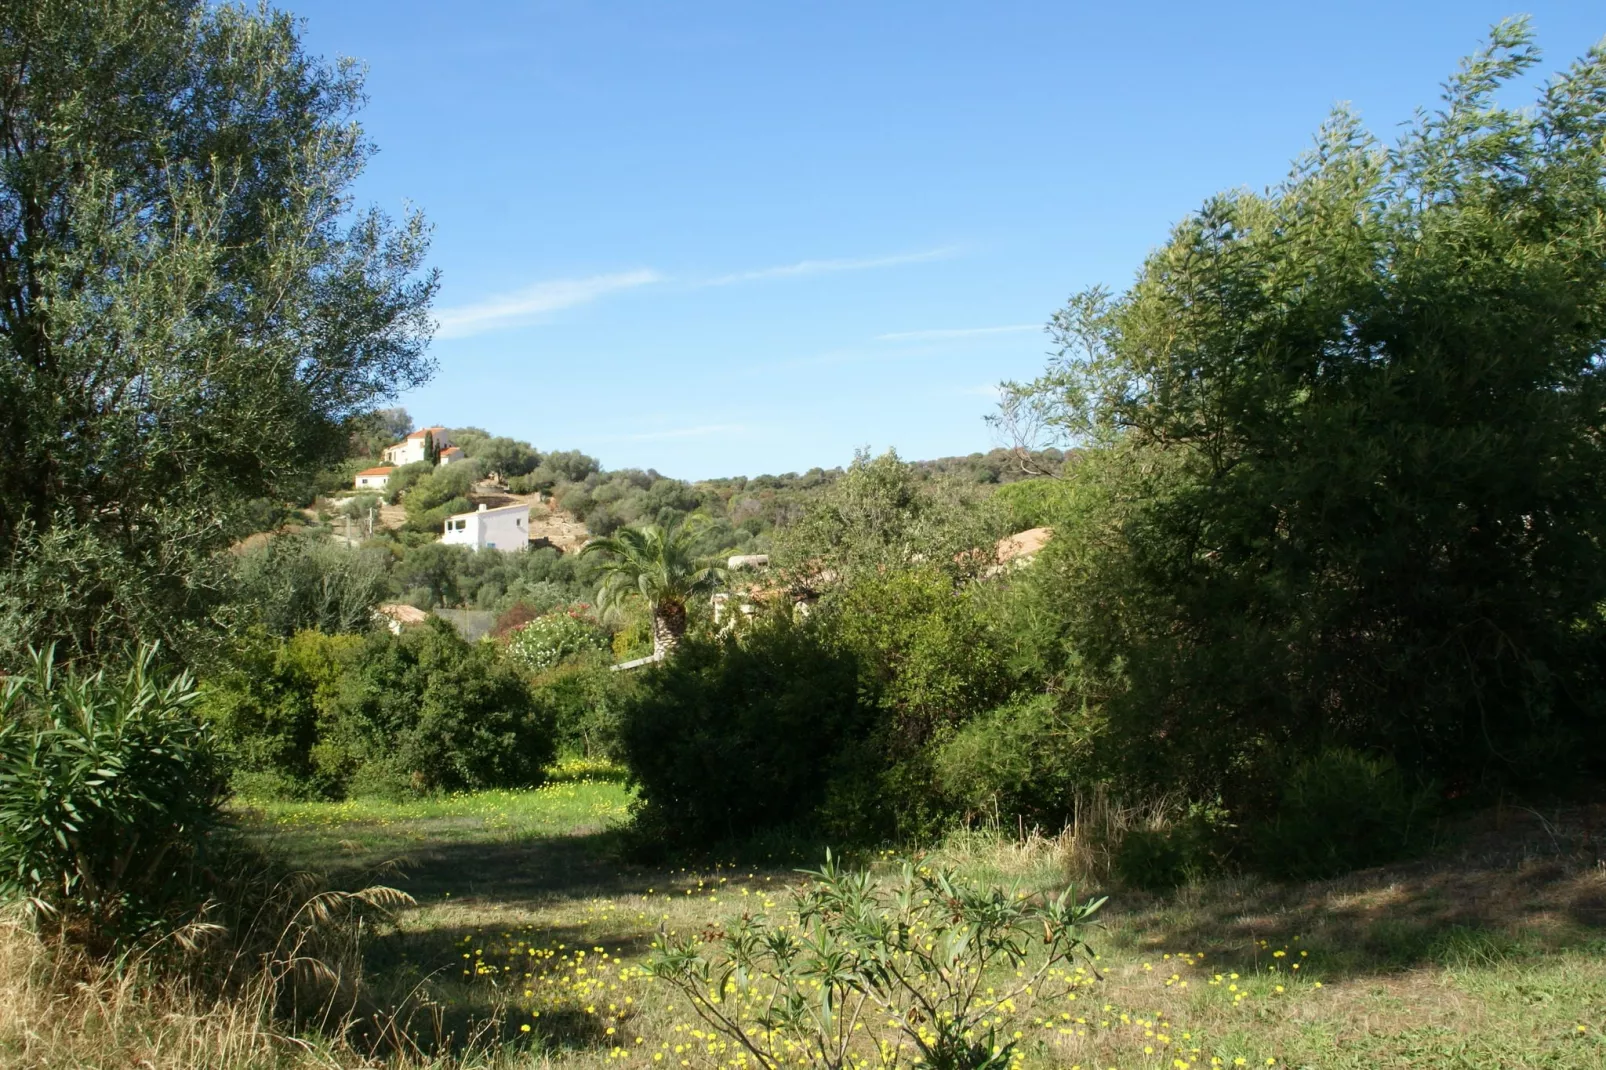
1284 750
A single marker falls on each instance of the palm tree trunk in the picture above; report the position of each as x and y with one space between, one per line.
668 628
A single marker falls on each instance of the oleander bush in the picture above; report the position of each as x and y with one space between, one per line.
110 789
555 637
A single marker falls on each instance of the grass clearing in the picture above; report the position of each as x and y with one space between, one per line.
526 945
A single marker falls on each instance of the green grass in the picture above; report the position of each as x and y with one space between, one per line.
529 915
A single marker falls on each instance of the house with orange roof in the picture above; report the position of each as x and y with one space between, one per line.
374 478
410 450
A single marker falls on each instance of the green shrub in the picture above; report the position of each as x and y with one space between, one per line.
913 956
272 701
730 737
1342 810
1025 759
555 637
425 711
109 787
1160 859
583 698
1029 503
928 663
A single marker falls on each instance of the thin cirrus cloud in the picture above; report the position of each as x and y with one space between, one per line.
944 334
533 302
805 268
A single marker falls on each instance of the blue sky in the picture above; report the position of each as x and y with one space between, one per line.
736 238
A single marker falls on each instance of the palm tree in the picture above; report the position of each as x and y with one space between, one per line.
661 564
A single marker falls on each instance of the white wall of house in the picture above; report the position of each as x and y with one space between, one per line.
410 450
451 455
506 529
372 480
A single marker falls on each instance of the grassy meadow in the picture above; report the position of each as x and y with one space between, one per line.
526 943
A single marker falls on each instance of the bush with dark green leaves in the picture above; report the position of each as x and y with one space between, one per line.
417 713
1025 759
109 790
1341 810
732 737
929 662
584 698
1350 433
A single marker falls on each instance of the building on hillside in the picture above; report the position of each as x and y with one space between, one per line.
506 528
451 455
374 478
410 450
398 615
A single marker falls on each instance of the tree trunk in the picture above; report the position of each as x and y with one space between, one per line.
668 628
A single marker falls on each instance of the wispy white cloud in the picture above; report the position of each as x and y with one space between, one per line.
955 332
827 267
531 303
700 431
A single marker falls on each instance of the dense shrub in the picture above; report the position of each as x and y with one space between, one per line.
421 712
1341 810
1022 760
273 700
584 698
109 787
928 662
727 738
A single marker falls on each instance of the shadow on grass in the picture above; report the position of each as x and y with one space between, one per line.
1376 921
465 985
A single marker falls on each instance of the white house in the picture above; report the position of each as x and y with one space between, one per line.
506 529
410 450
374 478
451 455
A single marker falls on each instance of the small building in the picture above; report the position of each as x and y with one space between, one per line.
506 528
410 450
395 616
374 478
450 455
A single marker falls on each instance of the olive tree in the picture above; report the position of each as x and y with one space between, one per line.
192 310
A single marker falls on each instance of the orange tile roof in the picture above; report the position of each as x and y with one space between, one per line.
382 470
451 449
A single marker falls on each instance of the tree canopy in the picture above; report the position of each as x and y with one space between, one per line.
1351 483
191 310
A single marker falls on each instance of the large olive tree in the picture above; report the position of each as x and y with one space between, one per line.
191 309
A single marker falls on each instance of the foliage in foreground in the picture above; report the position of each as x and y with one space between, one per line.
109 790
932 956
